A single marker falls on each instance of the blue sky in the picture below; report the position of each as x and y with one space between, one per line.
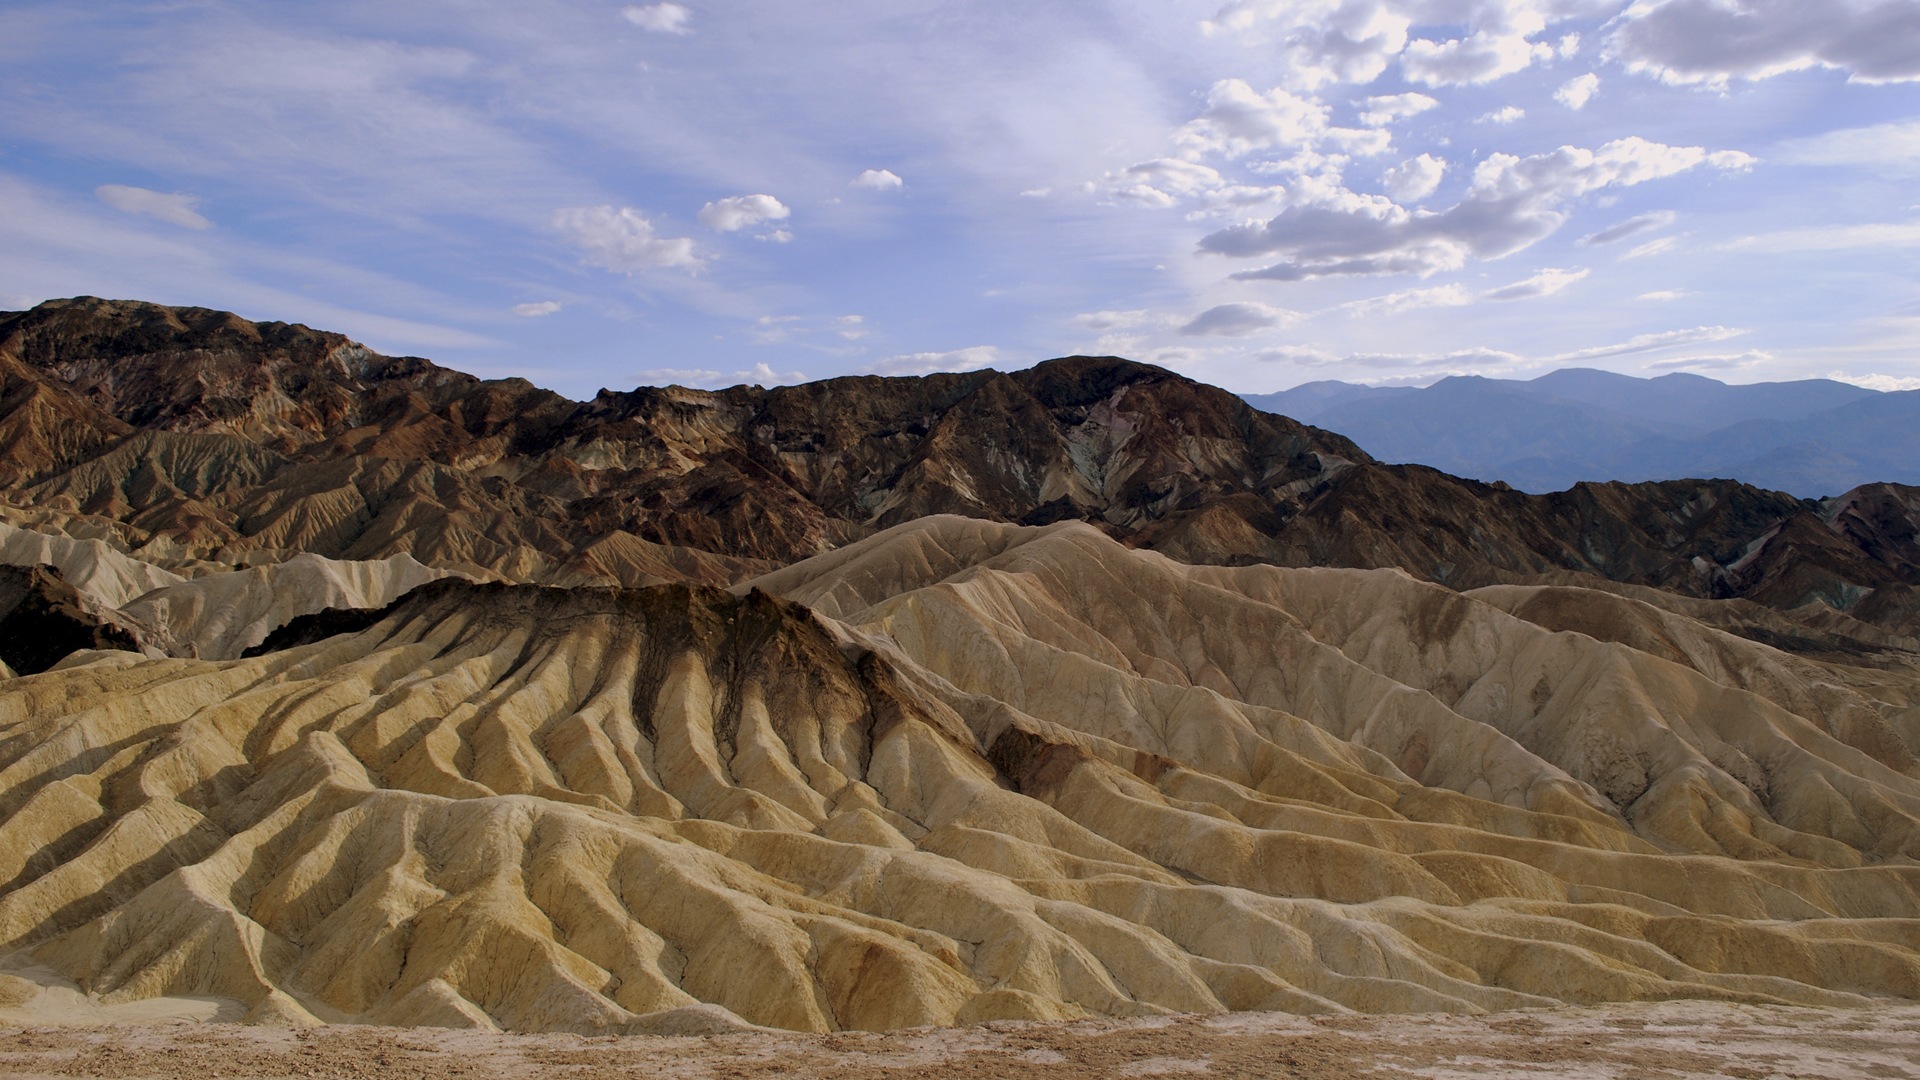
1257 194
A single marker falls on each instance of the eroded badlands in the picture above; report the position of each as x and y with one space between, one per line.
960 771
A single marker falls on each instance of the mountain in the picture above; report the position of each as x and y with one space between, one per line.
197 440
1814 437
342 688
961 771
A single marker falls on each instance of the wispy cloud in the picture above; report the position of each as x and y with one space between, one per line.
1646 343
175 209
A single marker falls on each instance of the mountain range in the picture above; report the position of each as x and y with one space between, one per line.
1814 437
345 688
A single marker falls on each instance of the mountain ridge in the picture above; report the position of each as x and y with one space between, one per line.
201 437
1813 437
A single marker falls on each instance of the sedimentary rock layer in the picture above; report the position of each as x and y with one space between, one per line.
985 771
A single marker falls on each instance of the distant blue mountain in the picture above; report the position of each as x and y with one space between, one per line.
1814 437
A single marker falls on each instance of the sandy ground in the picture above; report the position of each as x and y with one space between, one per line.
1642 1042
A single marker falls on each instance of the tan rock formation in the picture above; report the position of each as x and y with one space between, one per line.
997 772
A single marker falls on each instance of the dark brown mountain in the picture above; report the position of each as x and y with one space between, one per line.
194 434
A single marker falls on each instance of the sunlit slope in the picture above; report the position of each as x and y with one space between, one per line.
1003 772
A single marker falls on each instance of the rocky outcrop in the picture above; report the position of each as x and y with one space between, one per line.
188 436
43 619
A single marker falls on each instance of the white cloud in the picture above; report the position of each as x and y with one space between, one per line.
1320 41
740 211
1639 223
1652 247
1381 111
1162 182
1239 120
1892 148
173 209
1544 283
1476 58
536 309
1723 362
852 327
1835 238
1103 321
1877 381
878 180
1512 203
622 239
660 18
1663 296
1508 114
1569 47
761 374
1712 41
1646 343
1575 93
926 363
1238 320
1414 179
1443 296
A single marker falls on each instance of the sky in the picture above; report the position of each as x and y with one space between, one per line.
1257 194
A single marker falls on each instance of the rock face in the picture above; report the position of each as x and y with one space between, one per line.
190 436
346 688
42 619
987 771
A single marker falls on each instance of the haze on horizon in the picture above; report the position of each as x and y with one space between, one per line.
1257 195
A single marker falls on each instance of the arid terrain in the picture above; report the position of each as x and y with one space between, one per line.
1676 1041
346 690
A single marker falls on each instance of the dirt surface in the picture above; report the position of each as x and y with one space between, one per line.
1640 1042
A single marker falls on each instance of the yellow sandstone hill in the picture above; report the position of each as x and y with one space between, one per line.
963 770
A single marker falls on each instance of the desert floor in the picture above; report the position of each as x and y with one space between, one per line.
1680 1039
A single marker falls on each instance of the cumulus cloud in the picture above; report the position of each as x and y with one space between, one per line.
1511 204
1663 296
1237 320
536 309
741 211
1415 179
1239 119
1320 41
1713 41
1646 343
1477 58
174 209
1575 93
1381 111
1639 223
878 180
622 239
1544 283
926 363
1508 114
1892 148
659 18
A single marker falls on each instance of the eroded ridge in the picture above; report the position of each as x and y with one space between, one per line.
990 772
